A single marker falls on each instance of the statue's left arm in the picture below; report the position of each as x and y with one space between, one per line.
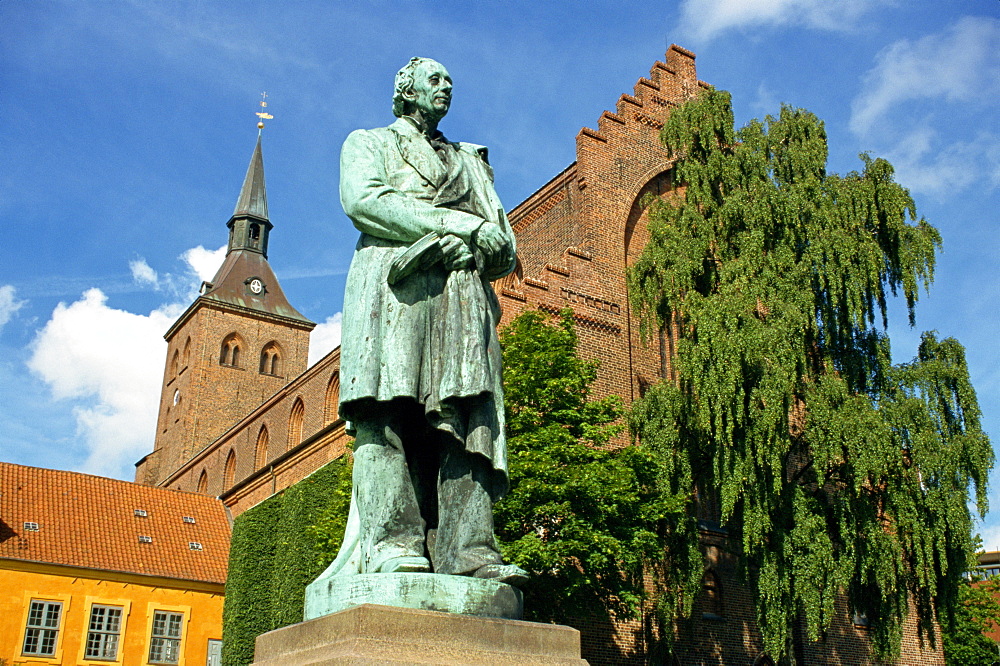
496 241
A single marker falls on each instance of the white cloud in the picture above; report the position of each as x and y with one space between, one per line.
142 273
204 263
959 64
9 305
704 19
324 338
111 361
916 101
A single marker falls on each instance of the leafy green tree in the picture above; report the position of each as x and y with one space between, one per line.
583 515
965 641
836 471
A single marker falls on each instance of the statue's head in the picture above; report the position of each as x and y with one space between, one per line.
422 84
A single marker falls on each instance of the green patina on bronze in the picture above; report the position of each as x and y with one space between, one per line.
420 358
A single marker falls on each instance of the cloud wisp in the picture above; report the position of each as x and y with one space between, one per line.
705 19
913 101
142 272
9 304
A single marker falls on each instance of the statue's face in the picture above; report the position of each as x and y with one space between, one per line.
431 93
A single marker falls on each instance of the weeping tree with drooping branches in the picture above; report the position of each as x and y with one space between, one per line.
836 471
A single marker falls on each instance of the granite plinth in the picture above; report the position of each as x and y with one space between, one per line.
463 595
371 634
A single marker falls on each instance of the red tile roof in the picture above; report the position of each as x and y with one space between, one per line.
90 521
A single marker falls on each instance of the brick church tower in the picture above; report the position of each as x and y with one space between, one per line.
238 343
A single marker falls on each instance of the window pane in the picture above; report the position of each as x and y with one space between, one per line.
174 630
105 626
165 646
114 621
41 631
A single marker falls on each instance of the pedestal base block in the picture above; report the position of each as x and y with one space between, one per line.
371 634
425 591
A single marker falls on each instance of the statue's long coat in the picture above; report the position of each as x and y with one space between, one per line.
431 336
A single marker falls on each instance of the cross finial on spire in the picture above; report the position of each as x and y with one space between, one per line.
262 114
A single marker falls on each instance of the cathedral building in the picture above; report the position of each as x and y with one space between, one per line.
242 417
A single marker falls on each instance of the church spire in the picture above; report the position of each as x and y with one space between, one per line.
253 197
249 226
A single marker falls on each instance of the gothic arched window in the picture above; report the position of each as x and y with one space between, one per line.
203 483
229 354
260 454
229 475
330 412
270 359
295 423
712 591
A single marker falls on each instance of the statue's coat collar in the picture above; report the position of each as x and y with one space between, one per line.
417 152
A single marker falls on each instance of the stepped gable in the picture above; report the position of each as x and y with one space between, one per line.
91 522
578 233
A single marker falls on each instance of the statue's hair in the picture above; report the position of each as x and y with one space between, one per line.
404 84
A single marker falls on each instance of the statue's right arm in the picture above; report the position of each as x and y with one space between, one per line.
378 209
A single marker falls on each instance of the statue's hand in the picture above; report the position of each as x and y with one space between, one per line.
491 240
456 253
497 249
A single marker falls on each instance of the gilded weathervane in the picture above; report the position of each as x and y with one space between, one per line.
263 114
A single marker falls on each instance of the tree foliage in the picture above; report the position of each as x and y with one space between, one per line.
582 516
839 472
965 641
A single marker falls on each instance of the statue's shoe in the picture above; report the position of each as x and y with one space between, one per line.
502 573
412 564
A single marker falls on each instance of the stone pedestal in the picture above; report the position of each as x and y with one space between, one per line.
424 591
371 634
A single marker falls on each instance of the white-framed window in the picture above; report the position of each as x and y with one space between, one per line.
42 631
103 632
165 639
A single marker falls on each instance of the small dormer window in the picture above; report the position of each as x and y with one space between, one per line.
189 520
30 526
140 513
194 545
145 539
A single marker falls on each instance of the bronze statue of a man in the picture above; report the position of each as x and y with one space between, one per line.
420 359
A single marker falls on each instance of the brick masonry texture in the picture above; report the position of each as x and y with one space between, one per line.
576 236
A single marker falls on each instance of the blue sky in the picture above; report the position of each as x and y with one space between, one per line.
126 128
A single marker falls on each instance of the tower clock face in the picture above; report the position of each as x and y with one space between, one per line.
256 286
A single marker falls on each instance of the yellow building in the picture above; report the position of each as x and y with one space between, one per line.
100 571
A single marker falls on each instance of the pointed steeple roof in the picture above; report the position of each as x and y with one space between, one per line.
245 281
253 196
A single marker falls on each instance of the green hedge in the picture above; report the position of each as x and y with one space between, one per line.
278 547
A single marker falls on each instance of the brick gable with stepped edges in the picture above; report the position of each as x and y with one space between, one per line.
577 233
